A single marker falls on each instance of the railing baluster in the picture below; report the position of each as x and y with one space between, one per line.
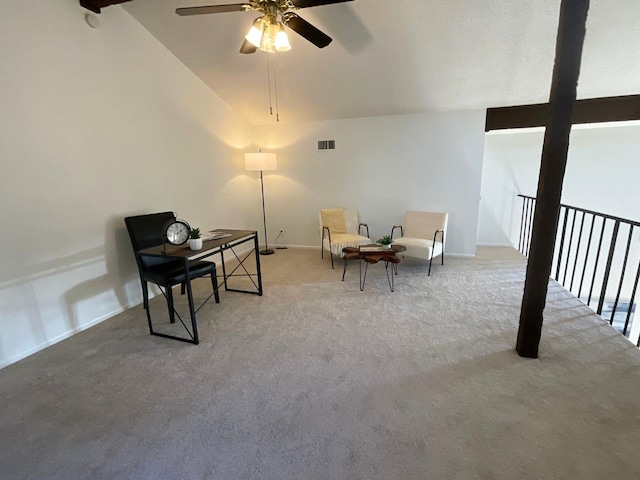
586 254
624 268
563 257
566 265
564 231
526 228
607 269
575 261
525 200
595 265
532 207
633 298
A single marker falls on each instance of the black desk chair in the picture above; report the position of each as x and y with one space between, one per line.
146 231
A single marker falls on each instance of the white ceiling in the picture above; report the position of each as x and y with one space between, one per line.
400 57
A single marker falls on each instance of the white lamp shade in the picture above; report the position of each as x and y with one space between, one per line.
282 41
254 36
255 33
260 161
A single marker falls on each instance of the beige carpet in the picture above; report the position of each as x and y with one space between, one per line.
317 380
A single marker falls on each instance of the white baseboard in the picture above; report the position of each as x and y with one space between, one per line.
446 254
102 318
494 245
302 247
119 310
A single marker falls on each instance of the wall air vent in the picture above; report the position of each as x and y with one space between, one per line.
326 145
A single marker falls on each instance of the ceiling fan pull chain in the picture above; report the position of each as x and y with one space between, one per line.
269 82
275 83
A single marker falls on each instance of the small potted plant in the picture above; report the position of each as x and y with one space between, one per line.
195 240
385 241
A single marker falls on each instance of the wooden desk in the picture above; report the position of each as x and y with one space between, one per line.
209 248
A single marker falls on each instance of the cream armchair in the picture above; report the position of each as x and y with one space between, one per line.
340 228
420 234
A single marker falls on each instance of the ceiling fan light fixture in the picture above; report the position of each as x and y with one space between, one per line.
282 40
267 32
256 33
268 45
269 38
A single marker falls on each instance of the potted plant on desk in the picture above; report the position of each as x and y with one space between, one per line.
195 240
385 241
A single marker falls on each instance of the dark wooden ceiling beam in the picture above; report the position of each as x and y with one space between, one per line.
592 110
96 5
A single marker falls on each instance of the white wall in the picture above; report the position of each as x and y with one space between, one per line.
511 165
99 124
96 125
603 174
383 166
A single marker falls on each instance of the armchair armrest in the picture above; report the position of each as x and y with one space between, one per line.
441 232
366 225
393 229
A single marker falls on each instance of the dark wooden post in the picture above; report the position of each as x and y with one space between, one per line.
571 31
96 5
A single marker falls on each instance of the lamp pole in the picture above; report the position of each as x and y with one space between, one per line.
262 161
267 250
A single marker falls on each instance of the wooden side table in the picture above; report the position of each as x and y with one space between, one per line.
387 256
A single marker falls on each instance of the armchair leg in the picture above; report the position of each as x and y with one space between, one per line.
172 318
182 288
430 262
331 253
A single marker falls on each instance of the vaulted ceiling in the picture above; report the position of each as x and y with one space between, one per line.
400 57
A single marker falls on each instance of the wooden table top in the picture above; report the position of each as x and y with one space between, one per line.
390 255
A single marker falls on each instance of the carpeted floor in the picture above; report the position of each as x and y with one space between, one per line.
317 380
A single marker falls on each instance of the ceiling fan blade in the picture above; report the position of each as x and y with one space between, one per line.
316 3
231 7
248 47
306 30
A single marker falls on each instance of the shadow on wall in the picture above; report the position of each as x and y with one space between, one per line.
31 304
492 231
500 206
23 299
47 301
120 267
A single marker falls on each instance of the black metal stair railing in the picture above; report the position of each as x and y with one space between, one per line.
588 261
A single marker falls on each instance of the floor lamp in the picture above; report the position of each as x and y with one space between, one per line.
262 161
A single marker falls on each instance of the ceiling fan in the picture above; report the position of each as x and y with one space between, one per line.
267 32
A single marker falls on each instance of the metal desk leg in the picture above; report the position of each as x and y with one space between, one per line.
255 250
224 269
192 311
256 247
